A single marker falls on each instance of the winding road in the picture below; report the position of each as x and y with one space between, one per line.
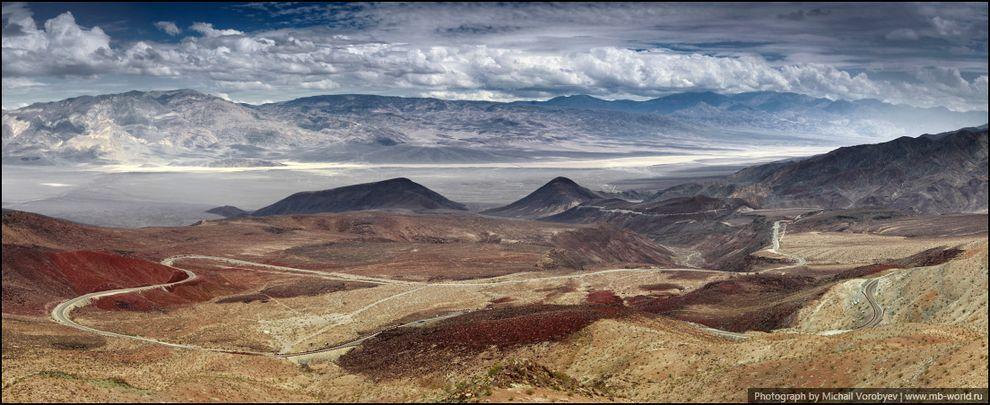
779 228
869 291
62 312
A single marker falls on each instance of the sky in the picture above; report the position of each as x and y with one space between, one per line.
926 55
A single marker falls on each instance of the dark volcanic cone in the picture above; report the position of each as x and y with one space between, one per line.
557 196
398 193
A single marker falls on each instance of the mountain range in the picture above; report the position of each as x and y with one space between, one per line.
931 173
186 127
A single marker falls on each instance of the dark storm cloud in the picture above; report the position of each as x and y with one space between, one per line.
799 15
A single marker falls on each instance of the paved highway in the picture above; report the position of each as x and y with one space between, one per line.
869 291
62 314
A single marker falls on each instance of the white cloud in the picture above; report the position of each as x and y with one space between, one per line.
168 27
61 47
243 85
946 27
207 30
520 60
20 83
482 95
902 34
322 84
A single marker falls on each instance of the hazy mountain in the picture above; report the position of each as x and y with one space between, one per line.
558 195
781 112
398 193
188 127
938 173
765 101
395 129
228 211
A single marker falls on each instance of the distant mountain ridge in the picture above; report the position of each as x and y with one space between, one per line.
399 193
767 101
558 195
186 127
932 173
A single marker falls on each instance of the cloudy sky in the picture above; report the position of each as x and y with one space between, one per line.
918 54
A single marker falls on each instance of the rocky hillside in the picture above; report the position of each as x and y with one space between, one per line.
33 275
938 173
586 247
931 173
47 259
947 293
398 193
714 231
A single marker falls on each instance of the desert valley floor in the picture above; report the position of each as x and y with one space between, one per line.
389 306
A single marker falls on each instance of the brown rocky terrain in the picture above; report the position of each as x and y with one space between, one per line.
35 276
43 261
481 317
716 232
